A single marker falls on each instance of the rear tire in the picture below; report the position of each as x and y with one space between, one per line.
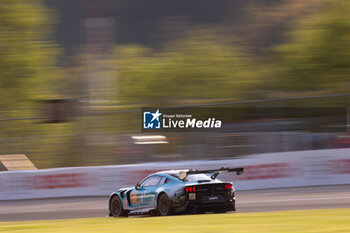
163 205
116 208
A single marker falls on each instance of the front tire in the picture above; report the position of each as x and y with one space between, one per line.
116 208
163 205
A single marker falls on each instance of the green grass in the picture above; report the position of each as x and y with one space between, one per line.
320 221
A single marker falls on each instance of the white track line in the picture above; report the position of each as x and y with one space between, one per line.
295 199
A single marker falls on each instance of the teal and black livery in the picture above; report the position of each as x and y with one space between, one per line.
176 191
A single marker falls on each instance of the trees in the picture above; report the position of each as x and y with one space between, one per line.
27 74
317 56
27 59
194 67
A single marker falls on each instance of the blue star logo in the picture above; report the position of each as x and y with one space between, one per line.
151 120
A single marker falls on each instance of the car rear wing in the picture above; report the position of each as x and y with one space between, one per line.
215 172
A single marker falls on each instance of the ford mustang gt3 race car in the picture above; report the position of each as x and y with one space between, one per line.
176 191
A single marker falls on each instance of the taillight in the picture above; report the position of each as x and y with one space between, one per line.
190 189
228 186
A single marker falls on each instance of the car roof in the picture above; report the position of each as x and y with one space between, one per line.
171 172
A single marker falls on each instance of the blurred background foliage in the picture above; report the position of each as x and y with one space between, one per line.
201 65
113 56
311 56
317 54
27 58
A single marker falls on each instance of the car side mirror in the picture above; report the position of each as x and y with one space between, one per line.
137 186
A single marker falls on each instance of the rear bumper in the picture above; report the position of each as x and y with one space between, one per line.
198 206
226 202
205 197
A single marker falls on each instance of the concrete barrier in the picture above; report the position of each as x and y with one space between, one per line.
275 170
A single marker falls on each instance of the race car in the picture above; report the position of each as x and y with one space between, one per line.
176 191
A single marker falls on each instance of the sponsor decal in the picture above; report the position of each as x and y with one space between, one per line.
270 171
134 198
340 166
59 181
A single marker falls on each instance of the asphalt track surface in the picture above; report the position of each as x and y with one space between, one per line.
317 197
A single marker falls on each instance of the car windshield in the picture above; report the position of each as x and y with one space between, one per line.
197 178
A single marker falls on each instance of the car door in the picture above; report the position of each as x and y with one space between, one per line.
138 197
147 191
134 198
